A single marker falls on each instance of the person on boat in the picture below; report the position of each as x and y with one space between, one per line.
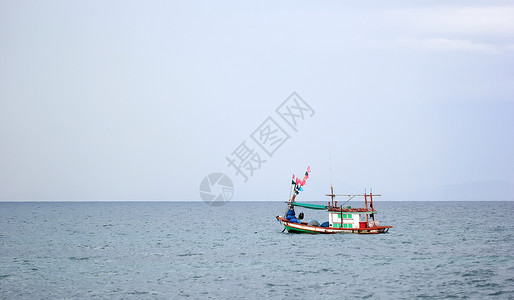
291 216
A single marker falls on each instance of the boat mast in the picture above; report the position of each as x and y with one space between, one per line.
297 188
291 200
371 199
332 195
366 203
331 178
291 189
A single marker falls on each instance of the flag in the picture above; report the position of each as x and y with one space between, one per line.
300 182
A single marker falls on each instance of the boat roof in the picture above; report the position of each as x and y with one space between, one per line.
311 206
351 210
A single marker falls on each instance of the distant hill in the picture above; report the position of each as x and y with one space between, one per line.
469 191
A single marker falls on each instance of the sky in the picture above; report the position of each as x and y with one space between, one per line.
141 100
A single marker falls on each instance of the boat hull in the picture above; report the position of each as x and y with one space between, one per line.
305 228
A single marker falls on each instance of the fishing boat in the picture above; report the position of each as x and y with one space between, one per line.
341 218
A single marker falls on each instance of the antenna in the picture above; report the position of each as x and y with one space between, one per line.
330 157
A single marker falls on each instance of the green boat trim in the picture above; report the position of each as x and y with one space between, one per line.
292 229
311 206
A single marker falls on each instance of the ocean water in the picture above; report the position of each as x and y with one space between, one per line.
171 250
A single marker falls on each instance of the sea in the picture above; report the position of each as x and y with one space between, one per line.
176 250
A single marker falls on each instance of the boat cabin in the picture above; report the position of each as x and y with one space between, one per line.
350 218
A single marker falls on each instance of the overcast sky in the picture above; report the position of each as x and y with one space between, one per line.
140 100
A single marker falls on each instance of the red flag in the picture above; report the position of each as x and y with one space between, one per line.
309 169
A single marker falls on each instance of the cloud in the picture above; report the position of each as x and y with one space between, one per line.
480 29
448 44
486 21
497 20
454 28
